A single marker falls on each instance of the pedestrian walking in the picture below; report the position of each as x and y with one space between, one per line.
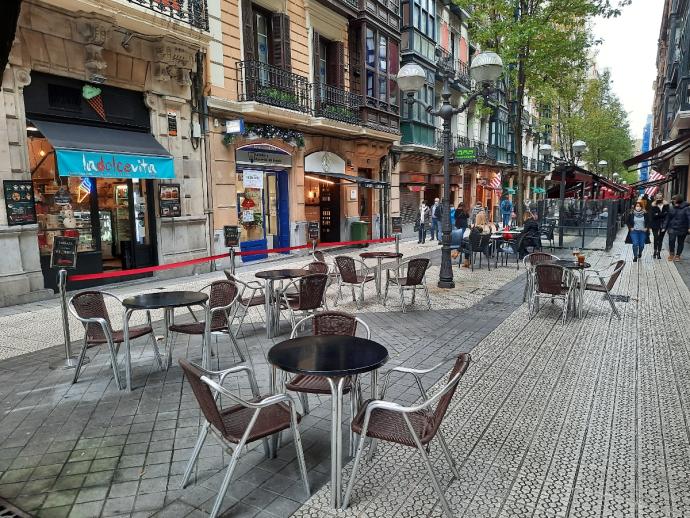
506 207
436 214
477 209
638 229
423 220
677 226
461 219
657 221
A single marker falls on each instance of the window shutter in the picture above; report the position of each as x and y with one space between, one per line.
248 31
316 55
280 28
336 64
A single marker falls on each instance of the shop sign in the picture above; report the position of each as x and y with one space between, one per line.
466 154
19 202
62 196
231 234
64 254
253 179
396 223
248 216
313 230
415 188
262 158
172 124
234 127
169 205
96 164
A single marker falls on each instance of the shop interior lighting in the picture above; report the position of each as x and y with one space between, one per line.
329 182
31 128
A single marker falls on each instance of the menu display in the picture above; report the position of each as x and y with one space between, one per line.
64 254
19 202
313 231
396 223
232 236
169 200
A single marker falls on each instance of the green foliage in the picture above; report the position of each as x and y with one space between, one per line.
278 95
267 131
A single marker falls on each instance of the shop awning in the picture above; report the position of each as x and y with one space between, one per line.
362 182
95 152
661 153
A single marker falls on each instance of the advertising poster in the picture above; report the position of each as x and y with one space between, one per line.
19 202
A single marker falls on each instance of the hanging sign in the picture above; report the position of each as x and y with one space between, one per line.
466 154
247 216
64 254
62 196
234 127
313 230
172 124
253 179
19 202
396 223
231 234
169 205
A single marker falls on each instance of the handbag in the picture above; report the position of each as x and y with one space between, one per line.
416 226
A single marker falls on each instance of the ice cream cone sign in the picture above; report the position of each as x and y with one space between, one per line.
92 94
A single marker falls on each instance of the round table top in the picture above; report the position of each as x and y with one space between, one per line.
328 355
382 255
285 273
165 299
569 263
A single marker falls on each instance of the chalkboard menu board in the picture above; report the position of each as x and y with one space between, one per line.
396 223
232 236
64 253
19 202
169 205
313 230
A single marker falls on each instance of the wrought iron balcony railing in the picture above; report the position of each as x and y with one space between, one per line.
269 84
193 12
336 103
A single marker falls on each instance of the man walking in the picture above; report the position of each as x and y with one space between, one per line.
436 214
677 226
506 211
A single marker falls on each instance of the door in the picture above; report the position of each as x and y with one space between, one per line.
330 213
283 210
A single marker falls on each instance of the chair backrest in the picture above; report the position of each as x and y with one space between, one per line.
319 256
347 268
317 267
484 242
536 258
91 304
459 368
311 290
334 323
549 278
475 240
222 294
203 395
416 268
618 268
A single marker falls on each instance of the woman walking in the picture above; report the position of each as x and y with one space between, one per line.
657 221
461 219
423 220
638 229
677 226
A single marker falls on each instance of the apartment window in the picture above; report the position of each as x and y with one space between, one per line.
263 36
381 66
266 36
423 17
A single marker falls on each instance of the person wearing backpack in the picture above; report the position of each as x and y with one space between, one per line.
506 207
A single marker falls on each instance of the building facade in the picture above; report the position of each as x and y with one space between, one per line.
99 113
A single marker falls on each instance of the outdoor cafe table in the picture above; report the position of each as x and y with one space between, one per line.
574 265
379 256
167 301
336 358
272 304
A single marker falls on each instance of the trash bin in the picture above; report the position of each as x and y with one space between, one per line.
358 231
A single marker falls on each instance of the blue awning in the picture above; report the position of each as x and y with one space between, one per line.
95 152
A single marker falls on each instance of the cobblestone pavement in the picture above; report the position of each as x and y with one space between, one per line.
578 420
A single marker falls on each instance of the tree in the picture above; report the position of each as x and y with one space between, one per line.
538 41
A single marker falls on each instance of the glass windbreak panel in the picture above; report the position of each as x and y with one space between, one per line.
271 202
63 204
370 48
250 205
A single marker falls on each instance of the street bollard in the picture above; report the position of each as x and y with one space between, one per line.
70 362
397 243
232 260
313 246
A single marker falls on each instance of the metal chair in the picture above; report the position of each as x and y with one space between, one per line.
529 262
309 295
509 247
255 298
547 233
243 423
477 243
410 275
328 323
317 267
414 426
348 275
606 282
90 309
222 297
319 256
553 282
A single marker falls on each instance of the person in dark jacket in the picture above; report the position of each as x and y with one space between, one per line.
657 222
638 229
461 218
530 234
677 226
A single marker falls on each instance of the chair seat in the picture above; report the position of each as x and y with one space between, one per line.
256 300
362 278
314 384
402 281
271 419
390 426
119 336
594 287
194 328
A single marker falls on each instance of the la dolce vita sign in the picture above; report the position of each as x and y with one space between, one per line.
113 165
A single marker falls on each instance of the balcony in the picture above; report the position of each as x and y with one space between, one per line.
269 84
192 12
336 103
458 72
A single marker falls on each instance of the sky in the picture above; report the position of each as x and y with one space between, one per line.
629 51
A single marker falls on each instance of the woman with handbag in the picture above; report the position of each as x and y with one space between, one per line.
638 230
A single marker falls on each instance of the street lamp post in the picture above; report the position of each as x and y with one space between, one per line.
486 68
